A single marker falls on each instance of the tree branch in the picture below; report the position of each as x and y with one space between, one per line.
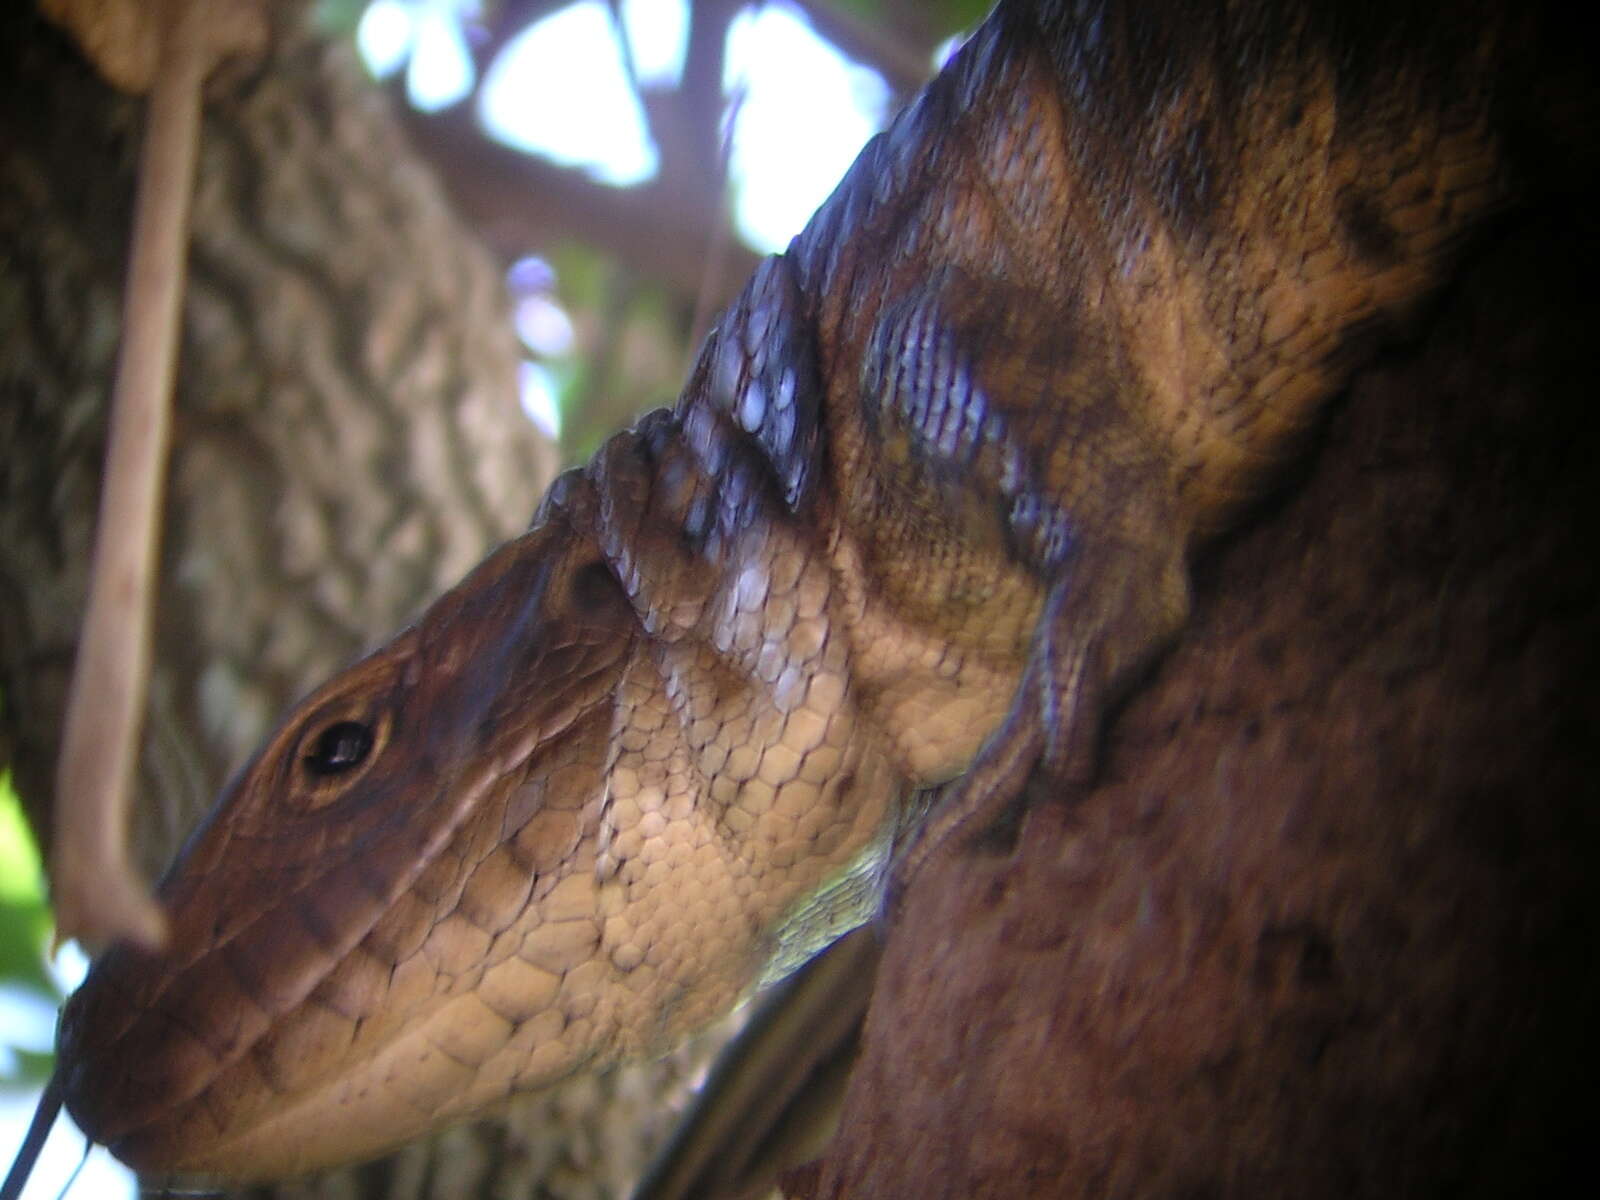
519 204
904 63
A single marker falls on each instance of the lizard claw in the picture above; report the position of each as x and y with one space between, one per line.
971 807
1049 742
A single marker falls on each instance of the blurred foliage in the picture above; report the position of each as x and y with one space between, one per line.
630 352
956 15
338 16
632 339
26 1070
949 16
25 929
342 16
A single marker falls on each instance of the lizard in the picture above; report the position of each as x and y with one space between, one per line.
923 511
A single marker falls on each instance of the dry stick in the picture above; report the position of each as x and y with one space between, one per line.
98 898
44 1116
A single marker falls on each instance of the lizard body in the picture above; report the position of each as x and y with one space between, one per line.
924 506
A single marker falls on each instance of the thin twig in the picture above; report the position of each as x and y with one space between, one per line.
44 1118
98 897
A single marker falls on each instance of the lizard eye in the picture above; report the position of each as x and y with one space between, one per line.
335 749
340 747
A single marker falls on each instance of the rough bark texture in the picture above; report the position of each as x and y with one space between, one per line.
1326 925
348 442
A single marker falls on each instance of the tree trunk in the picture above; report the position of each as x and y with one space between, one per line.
1326 925
348 442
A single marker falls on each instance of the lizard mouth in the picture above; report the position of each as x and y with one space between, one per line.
209 1062
161 1053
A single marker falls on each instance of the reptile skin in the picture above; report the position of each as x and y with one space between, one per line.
924 508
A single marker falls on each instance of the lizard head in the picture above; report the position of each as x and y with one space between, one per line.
393 912
534 832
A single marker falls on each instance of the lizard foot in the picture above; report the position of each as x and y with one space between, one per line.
1048 745
1047 738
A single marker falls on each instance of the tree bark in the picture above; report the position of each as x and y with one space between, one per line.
1325 927
348 442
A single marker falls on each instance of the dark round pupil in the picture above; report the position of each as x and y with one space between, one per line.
339 747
